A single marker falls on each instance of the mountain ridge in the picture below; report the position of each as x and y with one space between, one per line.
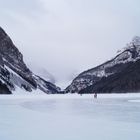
14 72
93 76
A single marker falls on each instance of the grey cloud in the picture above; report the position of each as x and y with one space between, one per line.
25 7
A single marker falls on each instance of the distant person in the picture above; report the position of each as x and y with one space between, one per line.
95 96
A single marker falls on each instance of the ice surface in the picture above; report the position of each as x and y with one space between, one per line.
70 117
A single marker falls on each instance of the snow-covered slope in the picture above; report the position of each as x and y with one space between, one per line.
14 72
129 54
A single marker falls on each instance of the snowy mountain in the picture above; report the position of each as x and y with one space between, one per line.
14 72
121 74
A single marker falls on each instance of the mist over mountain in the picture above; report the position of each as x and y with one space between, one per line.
42 72
118 75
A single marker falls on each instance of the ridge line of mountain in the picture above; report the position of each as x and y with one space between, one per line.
15 73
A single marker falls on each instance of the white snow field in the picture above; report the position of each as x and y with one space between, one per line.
70 117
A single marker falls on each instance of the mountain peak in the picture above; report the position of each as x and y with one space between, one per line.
131 52
127 56
136 41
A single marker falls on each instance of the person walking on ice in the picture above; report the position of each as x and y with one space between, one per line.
95 96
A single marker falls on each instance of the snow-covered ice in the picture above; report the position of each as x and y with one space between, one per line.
70 117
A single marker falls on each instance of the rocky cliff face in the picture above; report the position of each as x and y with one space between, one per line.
14 72
121 74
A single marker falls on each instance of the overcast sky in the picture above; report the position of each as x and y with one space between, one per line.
69 36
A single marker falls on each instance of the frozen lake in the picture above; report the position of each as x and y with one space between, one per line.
70 117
